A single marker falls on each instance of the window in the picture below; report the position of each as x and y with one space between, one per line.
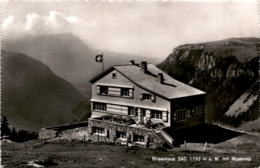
114 75
180 114
143 112
131 111
147 96
193 110
124 92
188 113
202 109
156 114
120 134
99 106
103 90
199 109
107 133
98 130
138 138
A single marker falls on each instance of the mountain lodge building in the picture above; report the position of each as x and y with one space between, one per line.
133 104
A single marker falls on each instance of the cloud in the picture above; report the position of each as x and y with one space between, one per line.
58 21
54 22
33 22
152 29
7 21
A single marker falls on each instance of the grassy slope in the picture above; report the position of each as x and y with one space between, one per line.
251 125
76 154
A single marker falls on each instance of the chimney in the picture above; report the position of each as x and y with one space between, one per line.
131 62
144 66
160 77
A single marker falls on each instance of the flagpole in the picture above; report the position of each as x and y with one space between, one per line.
100 59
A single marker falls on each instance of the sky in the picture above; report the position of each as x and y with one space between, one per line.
151 28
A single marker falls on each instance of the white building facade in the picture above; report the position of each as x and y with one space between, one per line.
133 104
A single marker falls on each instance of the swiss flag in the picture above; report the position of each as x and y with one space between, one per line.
99 58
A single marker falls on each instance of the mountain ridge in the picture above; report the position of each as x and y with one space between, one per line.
31 92
68 57
246 45
217 68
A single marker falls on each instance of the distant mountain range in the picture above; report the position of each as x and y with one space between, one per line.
32 95
46 76
68 57
224 69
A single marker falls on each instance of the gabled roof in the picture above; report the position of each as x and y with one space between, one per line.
169 89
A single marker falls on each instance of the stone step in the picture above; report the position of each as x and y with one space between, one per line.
164 139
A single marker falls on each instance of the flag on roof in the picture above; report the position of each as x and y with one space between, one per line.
99 58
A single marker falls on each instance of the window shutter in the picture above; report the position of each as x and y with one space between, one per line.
106 133
141 96
165 116
136 111
98 89
148 113
174 116
153 98
130 92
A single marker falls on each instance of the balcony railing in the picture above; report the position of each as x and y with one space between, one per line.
116 119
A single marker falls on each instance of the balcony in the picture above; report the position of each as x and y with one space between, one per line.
116 119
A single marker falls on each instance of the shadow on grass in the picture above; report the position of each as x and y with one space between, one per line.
201 134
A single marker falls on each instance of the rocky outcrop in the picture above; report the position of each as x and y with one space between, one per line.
224 69
245 103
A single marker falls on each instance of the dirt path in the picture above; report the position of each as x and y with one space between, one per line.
236 130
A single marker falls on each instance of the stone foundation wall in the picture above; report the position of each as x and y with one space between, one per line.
80 133
151 139
47 133
76 134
